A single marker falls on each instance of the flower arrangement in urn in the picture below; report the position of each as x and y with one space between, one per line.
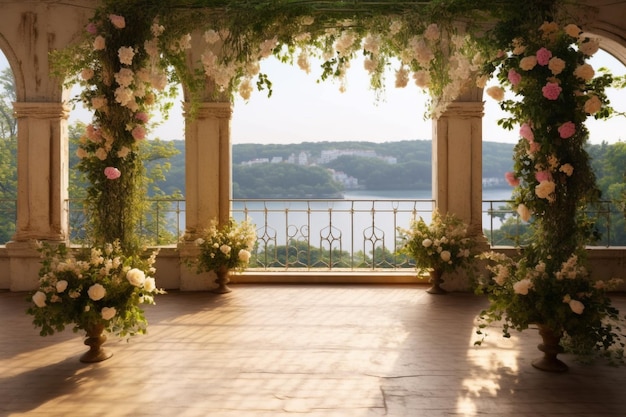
524 293
224 248
441 246
547 284
97 289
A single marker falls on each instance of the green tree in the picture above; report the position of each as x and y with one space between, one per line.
8 156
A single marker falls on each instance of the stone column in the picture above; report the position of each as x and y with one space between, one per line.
42 182
457 162
208 175
457 172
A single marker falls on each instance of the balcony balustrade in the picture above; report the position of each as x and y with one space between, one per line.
330 234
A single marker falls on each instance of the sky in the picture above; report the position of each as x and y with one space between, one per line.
301 109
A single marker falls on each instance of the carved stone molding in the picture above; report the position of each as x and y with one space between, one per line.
41 110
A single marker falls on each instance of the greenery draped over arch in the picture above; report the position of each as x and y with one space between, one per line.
134 52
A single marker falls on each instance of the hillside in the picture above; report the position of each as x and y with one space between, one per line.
295 170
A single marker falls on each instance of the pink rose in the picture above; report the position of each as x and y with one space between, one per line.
543 176
139 132
91 28
551 91
142 117
514 77
543 56
567 130
511 179
526 132
534 147
118 21
112 173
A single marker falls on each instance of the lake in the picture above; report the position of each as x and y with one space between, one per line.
364 219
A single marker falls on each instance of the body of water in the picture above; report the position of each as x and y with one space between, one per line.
363 220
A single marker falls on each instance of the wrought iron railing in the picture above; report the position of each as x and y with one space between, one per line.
328 234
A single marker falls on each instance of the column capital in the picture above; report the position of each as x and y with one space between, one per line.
41 110
464 110
209 110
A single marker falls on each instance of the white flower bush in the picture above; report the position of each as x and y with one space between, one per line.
227 246
93 286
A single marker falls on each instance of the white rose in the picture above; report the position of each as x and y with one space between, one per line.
576 306
149 284
108 313
96 292
199 241
427 243
136 277
244 255
39 298
522 286
445 255
61 285
225 249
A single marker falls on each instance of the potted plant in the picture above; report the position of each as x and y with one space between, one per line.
441 246
224 248
95 290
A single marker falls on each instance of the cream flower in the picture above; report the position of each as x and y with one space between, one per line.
39 298
126 54
568 169
593 104
427 243
96 292
149 284
118 21
108 313
496 93
523 212
99 43
573 30
225 249
576 306
527 63
523 286
556 65
136 277
402 78
244 255
589 47
545 189
585 72
445 256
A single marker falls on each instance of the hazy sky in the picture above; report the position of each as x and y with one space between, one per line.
301 109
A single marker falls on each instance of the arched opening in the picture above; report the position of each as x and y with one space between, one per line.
8 152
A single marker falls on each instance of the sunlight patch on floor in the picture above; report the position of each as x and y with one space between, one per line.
496 356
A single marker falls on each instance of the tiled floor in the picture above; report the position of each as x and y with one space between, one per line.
277 350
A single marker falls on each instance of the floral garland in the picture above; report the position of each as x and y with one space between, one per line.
556 90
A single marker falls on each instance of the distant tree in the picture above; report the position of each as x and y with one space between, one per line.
8 157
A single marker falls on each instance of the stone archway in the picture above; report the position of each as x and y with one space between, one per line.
29 31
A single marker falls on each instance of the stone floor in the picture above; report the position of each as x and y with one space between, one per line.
299 350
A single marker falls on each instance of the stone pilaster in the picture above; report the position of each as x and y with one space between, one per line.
42 170
208 175
457 162
42 181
